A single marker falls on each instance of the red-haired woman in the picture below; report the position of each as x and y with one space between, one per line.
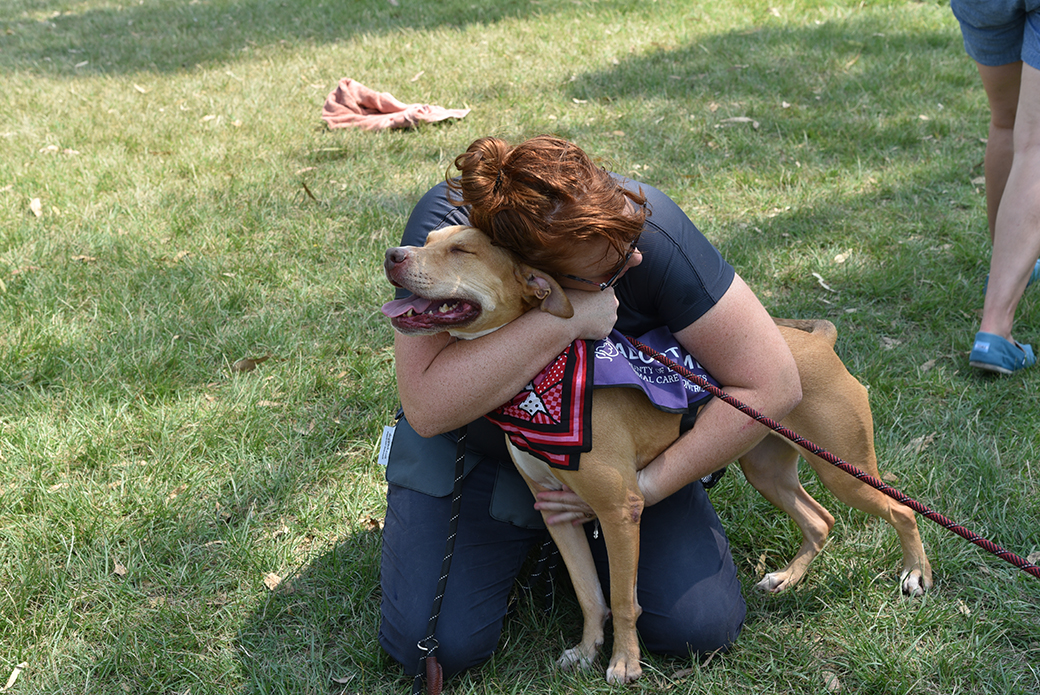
630 258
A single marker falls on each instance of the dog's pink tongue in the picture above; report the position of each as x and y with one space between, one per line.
399 307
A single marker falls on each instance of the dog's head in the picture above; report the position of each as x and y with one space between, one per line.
462 284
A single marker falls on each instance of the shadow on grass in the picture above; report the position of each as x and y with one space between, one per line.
170 35
320 625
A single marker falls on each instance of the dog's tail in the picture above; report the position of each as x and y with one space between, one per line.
821 327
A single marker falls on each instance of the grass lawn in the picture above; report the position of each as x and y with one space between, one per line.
171 204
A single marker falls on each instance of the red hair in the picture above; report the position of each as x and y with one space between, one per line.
539 197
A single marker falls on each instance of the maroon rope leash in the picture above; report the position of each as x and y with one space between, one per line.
870 480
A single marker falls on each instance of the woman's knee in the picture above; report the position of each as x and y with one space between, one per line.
702 628
457 648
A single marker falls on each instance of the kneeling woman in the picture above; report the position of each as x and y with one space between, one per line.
630 258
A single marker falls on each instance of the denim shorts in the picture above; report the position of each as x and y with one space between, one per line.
998 32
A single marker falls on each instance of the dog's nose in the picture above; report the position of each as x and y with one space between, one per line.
393 264
395 255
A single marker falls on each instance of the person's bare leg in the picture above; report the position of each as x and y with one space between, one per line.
1001 84
1016 242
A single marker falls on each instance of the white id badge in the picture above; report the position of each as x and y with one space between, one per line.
384 445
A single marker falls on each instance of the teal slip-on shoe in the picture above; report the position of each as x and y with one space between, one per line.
993 353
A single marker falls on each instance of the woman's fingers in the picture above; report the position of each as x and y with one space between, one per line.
563 506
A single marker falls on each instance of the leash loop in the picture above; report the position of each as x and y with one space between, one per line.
870 480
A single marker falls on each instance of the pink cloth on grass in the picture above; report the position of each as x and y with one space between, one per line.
353 105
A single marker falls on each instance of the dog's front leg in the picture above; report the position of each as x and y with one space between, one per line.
574 549
618 504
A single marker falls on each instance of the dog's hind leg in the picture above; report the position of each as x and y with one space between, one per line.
772 468
916 577
835 414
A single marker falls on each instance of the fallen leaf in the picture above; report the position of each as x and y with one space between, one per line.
1034 557
963 607
36 207
831 682
14 675
924 118
842 257
176 492
141 89
272 580
345 679
371 523
979 181
890 478
824 285
119 570
890 343
927 365
85 259
209 117
739 119
785 105
248 364
919 444
760 566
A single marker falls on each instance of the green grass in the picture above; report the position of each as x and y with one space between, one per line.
194 210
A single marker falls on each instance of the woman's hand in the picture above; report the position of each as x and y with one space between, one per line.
596 312
565 507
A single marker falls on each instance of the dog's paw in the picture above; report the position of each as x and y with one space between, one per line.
914 583
773 583
574 659
624 670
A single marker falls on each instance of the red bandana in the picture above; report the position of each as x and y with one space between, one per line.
551 418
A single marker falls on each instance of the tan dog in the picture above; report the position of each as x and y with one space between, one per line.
472 288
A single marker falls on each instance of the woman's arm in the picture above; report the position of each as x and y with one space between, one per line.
737 343
445 383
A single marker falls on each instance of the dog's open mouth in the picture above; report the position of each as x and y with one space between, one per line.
420 315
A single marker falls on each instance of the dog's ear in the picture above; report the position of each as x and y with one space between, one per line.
543 288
